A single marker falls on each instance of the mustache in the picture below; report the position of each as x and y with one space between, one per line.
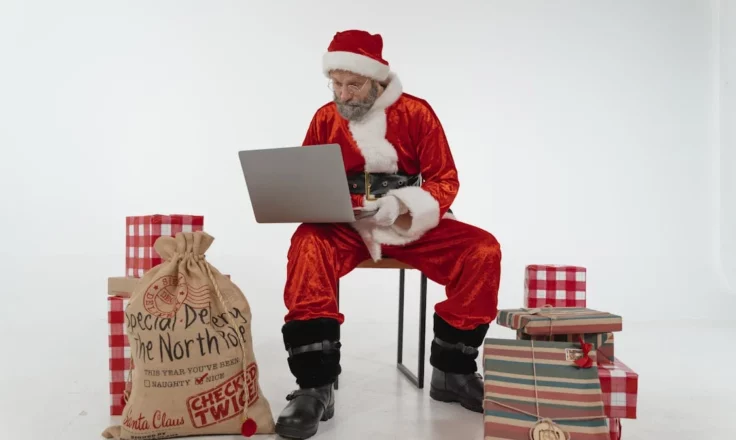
352 103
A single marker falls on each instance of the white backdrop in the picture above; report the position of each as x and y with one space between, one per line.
727 93
592 133
585 133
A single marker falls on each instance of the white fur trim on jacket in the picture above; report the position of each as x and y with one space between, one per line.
365 230
352 62
370 132
425 215
380 157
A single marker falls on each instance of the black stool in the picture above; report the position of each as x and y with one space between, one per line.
389 263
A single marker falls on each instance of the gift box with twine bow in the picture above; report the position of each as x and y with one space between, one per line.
559 320
542 390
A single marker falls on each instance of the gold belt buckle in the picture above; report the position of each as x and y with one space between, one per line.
368 195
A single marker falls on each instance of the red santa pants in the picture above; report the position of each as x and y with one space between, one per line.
463 258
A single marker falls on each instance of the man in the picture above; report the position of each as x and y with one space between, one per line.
388 139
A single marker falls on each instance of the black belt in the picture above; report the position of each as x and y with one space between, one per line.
376 185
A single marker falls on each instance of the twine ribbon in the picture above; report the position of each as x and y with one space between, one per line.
539 312
540 419
583 362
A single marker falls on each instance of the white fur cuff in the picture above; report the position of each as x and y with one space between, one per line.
423 208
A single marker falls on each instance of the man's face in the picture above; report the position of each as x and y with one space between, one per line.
354 94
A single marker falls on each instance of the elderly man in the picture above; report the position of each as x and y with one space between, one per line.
399 167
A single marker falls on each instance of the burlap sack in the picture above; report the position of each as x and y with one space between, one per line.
189 329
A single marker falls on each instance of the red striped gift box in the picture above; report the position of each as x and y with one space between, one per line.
554 285
142 232
620 386
530 381
559 320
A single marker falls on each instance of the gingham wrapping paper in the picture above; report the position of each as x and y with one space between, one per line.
119 352
143 231
620 386
555 285
614 428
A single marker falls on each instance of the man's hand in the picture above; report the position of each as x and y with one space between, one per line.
389 209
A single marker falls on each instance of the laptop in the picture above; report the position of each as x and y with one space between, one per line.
299 185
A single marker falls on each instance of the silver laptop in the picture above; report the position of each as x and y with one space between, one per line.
298 185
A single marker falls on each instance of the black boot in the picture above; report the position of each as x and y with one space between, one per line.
453 356
314 359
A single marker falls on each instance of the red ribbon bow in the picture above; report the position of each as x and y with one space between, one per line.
585 361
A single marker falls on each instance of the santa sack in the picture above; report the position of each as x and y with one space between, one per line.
189 329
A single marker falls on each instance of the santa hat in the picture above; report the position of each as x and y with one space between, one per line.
358 52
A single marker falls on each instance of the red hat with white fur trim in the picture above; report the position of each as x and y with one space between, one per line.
356 51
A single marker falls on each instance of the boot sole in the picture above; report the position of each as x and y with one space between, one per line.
449 397
301 433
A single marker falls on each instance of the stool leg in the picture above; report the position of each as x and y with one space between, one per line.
417 380
400 351
422 329
337 379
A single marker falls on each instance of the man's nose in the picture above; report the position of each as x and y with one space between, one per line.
344 94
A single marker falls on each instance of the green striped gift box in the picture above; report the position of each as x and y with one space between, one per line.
529 381
602 342
559 320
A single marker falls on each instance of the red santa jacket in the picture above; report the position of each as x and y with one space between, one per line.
401 133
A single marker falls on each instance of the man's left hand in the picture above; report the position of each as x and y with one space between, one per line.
389 209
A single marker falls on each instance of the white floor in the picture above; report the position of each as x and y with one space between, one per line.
57 388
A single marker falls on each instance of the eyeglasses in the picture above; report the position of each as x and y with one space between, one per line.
351 88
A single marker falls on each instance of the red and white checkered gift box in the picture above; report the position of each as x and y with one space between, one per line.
614 429
143 231
554 285
620 387
120 363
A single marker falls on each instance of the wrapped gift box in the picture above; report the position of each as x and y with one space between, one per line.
559 320
602 342
620 386
143 231
121 286
527 381
614 429
607 350
120 362
557 286
119 290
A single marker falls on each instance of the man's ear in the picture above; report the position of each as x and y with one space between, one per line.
381 87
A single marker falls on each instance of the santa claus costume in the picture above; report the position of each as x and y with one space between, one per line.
396 156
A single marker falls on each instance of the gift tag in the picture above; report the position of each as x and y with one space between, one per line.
573 354
547 430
